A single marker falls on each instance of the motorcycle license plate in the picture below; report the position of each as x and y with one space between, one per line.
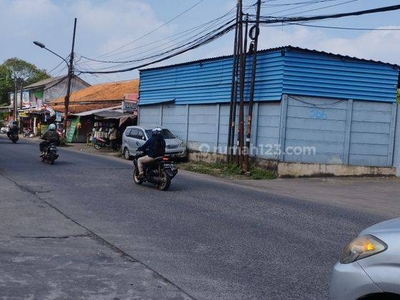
171 166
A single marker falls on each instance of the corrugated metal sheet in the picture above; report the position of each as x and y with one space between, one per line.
207 82
286 70
324 75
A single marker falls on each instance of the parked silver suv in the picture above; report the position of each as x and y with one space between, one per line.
135 136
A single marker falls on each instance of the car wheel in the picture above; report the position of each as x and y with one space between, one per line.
127 155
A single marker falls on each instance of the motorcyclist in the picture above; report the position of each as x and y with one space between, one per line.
154 147
13 129
50 136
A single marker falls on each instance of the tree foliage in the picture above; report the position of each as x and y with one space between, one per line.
398 96
18 72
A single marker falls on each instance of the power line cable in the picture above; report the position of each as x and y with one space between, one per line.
293 3
190 46
154 30
223 30
311 3
207 25
343 28
182 44
270 20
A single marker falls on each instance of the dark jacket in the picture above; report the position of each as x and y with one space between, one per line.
154 147
14 130
51 136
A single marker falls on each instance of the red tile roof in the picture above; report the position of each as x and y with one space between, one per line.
97 96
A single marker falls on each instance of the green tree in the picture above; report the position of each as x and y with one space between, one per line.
16 71
398 96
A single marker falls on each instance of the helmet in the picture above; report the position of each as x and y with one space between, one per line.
52 127
156 131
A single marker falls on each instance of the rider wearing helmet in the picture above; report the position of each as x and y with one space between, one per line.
13 129
50 136
154 147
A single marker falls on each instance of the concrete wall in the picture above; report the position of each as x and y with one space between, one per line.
306 130
335 131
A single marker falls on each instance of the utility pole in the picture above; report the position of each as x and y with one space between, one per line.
243 47
254 33
235 68
70 75
15 105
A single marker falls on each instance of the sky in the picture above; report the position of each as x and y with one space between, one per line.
115 35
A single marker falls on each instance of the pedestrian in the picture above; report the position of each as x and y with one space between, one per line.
95 134
112 135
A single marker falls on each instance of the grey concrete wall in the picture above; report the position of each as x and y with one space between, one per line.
294 130
315 130
372 133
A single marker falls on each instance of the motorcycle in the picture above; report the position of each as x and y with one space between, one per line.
28 132
4 129
99 143
159 172
13 136
50 154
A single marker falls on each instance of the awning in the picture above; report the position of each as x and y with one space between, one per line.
114 114
23 115
92 112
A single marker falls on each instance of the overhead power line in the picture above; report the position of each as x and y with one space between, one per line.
206 26
205 39
227 27
344 28
297 5
271 20
162 25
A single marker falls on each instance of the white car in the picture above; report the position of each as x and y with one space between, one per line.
135 136
369 267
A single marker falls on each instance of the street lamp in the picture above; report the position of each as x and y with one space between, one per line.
41 45
70 75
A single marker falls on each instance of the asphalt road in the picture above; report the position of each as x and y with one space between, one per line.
205 238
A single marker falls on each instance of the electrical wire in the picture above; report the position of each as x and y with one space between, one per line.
188 42
184 34
311 3
342 28
205 39
198 41
154 30
271 20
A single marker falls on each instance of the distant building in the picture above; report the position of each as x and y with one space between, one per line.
51 88
34 107
104 105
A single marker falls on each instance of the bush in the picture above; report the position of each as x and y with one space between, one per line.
227 170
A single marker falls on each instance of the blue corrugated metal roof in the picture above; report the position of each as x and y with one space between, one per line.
286 70
331 76
283 48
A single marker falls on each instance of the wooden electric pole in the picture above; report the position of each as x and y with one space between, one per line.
254 33
70 76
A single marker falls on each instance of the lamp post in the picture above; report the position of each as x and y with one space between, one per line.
70 75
